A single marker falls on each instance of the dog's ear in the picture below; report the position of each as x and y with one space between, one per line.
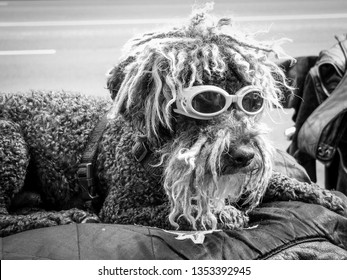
114 79
144 92
115 76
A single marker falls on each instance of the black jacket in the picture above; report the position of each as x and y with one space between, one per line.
320 104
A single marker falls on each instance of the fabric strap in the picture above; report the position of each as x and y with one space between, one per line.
149 160
85 172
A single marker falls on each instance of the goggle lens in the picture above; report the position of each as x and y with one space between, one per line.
252 102
208 102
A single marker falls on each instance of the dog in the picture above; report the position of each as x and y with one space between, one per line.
183 146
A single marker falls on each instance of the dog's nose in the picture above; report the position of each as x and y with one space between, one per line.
241 156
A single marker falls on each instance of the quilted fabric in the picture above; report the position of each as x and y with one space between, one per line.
278 230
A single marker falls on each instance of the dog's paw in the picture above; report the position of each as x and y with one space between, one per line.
91 220
339 203
80 216
232 218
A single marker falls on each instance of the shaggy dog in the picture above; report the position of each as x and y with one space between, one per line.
183 146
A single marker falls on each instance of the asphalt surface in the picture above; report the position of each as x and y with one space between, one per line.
71 44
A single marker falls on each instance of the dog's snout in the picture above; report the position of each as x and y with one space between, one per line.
241 156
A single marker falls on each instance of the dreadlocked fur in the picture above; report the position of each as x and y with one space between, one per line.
193 180
204 51
158 65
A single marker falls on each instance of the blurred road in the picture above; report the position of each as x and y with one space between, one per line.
71 44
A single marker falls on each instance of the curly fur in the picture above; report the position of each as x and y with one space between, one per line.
203 186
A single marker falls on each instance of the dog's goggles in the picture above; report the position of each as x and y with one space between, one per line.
206 102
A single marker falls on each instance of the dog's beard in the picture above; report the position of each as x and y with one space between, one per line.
199 192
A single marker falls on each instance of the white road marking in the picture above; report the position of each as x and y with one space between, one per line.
292 17
166 20
27 52
86 22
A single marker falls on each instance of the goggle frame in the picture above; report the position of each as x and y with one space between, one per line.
185 98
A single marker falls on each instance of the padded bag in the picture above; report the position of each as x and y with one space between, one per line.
278 230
